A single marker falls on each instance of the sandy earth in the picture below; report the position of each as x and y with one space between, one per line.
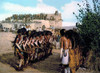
8 60
5 42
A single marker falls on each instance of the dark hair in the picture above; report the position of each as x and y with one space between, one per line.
62 32
46 32
74 37
22 31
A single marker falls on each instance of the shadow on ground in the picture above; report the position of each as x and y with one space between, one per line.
49 65
10 59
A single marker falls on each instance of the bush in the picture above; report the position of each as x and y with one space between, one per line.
89 28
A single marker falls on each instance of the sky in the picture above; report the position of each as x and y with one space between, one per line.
65 7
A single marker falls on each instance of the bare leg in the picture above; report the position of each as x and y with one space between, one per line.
21 63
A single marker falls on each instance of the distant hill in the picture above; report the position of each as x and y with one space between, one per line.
68 27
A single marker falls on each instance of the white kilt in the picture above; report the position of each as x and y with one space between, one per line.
65 57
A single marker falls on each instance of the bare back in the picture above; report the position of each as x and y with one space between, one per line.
64 42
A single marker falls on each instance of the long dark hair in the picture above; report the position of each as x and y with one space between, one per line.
74 37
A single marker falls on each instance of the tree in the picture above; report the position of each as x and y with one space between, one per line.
56 12
16 26
41 16
89 28
15 17
45 17
8 19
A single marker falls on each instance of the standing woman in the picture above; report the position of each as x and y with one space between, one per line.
72 62
64 51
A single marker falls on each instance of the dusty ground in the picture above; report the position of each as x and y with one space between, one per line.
8 60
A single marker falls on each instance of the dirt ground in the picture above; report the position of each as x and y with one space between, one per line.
8 60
